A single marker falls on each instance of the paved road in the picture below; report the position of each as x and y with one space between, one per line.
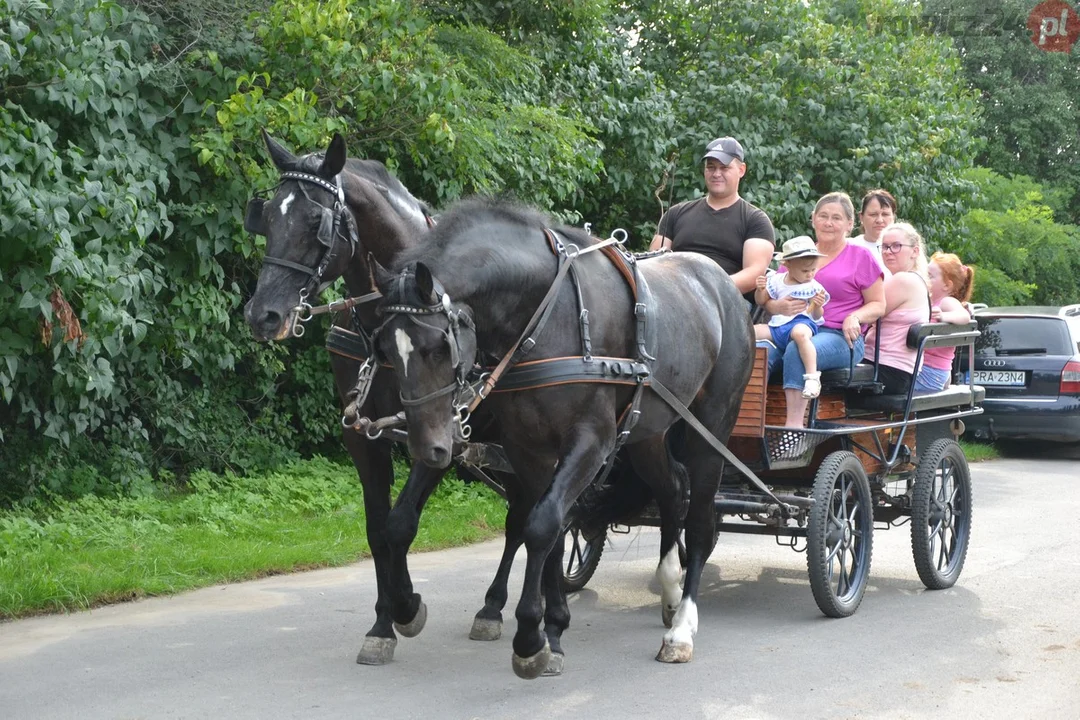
1005 642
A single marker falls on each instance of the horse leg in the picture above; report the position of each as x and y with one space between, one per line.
487 625
668 480
578 466
556 611
407 607
374 465
704 466
375 468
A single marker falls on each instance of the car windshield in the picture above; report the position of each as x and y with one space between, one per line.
1005 336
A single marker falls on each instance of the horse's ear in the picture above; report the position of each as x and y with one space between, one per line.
283 159
334 159
380 276
425 283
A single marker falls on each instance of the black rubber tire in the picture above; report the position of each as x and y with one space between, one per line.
941 514
840 535
580 557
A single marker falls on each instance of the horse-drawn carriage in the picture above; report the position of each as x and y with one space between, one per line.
865 459
637 365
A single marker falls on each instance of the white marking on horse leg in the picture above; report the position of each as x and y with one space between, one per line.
668 572
684 626
404 347
286 202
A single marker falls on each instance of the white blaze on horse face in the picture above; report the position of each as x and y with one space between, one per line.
286 203
404 348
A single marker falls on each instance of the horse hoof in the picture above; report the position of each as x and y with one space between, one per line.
675 652
533 667
414 626
485 629
669 614
555 665
376 651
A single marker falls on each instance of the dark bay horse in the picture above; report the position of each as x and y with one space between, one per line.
479 282
322 222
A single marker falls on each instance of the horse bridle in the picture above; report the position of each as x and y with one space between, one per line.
328 234
464 392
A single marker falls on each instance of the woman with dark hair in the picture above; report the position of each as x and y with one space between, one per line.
877 213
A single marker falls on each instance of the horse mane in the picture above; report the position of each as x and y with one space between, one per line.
371 170
515 260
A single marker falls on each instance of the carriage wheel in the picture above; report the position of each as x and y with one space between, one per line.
941 514
581 555
840 535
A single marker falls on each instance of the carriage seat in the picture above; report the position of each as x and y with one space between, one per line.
922 336
859 378
955 397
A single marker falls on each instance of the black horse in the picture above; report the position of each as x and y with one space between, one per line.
480 281
325 218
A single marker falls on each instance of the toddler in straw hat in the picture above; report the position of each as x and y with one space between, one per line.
799 257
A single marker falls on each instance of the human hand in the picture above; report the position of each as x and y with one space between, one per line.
788 306
761 282
852 329
818 301
935 315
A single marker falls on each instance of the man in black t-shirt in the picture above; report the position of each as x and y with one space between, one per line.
736 235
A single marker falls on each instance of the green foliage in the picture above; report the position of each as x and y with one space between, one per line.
591 71
824 96
1022 256
375 73
1031 117
122 271
81 202
129 142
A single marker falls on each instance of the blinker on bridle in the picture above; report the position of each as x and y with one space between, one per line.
328 234
463 391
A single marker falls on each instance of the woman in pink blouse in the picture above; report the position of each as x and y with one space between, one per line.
854 282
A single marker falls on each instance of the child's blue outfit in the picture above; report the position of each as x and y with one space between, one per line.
780 326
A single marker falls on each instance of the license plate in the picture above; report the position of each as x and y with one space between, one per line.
1000 377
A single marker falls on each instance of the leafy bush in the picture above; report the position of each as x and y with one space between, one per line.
1022 256
122 271
824 96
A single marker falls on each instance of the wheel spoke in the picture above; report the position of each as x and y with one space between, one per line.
575 551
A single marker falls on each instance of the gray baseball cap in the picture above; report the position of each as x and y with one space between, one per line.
724 149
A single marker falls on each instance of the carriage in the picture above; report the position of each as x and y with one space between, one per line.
865 457
865 460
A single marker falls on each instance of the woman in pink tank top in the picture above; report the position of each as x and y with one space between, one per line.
907 301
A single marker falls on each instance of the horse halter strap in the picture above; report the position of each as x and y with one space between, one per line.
329 231
454 319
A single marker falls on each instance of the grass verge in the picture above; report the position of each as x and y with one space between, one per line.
76 554
979 452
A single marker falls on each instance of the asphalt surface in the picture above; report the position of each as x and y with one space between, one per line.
1005 642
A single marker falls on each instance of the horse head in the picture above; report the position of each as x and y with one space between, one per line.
325 216
431 343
